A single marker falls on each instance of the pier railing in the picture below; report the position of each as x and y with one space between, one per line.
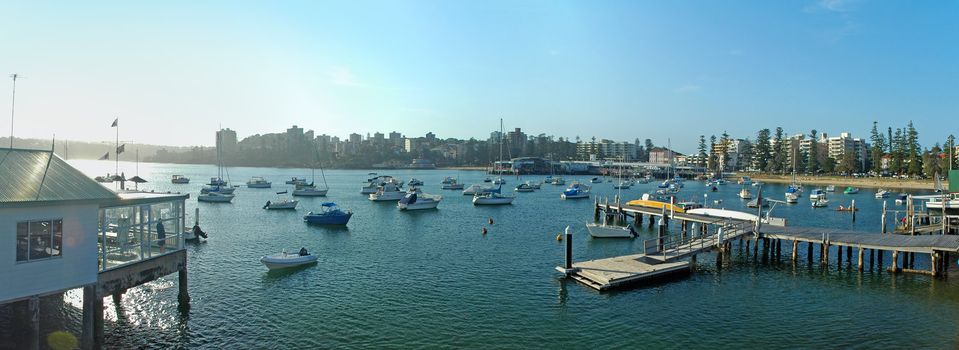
671 246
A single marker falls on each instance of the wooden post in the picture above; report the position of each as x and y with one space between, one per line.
683 226
795 245
652 219
809 252
184 296
34 311
879 255
895 261
569 249
934 262
779 248
747 246
87 336
883 217
912 260
872 255
839 256
849 253
661 241
853 210
825 252
860 258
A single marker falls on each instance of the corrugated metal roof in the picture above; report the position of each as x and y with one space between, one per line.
41 176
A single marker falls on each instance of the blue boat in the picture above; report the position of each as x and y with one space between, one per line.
329 214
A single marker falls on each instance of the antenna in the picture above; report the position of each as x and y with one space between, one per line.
13 105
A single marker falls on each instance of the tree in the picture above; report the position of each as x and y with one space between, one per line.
950 150
897 166
812 164
701 162
847 163
913 150
712 154
745 155
761 151
931 161
828 165
779 152
649 148
878 148
724 156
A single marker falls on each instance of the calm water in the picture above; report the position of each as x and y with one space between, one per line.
431 279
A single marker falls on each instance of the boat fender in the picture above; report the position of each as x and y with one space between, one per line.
559 237
484 231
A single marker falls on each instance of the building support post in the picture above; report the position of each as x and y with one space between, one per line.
33 307
184 295
860 258
895 261
87 336
809 252
795 245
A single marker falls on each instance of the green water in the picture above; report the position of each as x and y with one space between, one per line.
430 279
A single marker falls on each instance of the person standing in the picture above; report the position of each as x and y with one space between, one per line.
161 236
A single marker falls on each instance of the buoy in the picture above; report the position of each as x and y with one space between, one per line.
490 221
484 230
559 237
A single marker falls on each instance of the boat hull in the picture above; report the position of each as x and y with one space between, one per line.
492 201
215 199
328 219
418 205
285 261
266 185
574 196
310 193
607 231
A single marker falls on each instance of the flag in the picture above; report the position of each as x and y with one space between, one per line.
115 123
120 149
106 156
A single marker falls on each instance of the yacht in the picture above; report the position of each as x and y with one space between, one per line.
831 188
258 182
309 191
415 182
792 196
215 197
448 180
388 192
452 185
492 198
820 203
499 181
414 200
295 180
524 187
217 189
882 194
480 189
817 194
534 184
329 214
180 179
744 194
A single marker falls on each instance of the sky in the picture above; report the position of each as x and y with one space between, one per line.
173 72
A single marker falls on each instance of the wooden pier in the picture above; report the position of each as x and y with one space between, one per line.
666 255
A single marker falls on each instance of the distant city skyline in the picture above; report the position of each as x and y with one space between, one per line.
173 73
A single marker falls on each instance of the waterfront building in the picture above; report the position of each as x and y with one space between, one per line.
661 155
226 142
67 231
838 146
606 149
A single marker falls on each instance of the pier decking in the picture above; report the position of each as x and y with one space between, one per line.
665 255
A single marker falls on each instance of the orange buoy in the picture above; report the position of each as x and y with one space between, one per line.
559 237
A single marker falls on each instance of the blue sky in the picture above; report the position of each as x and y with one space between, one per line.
175 71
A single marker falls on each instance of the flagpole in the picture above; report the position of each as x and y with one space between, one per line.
116 171
13 104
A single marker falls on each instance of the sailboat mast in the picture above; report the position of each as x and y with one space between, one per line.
501 137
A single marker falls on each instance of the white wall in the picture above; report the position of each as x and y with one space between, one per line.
76 266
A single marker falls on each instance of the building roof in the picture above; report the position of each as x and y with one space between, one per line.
40 177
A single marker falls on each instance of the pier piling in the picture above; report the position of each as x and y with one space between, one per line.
809 252
895 262
34 310
569 249
183 297
860 259
794 255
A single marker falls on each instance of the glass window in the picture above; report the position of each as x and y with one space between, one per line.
40 239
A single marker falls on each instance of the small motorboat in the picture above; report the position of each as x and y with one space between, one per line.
849 208
295 181
901 198
215 197
534 184
595 180
487 179
605 230
491 198
524 187
480 189
816 194
329 214
452 185
831 188
286 260
415 182
448 180
180 179
882 194
851 190
559 181
792 198
820 203
499 181
388 192
713 189
744 194
258 182
623 185
281 204
576 191
413 200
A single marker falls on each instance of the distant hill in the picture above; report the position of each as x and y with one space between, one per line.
68 149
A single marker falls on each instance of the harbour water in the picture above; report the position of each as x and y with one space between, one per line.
432 279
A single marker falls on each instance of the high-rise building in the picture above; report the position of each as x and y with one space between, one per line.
226 141
517 142
606 149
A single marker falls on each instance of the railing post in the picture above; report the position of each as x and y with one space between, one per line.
569 248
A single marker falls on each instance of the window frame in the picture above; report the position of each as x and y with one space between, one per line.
52 239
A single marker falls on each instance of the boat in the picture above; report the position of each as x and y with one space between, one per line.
258 182
820 203
414 200
831 188
448 180
689 205
575 191
286 260
491 198
744 194
623 185
745 180
851 190
721 182
487 179
725 213
387 192
849 208
180 179
499 181
938 203
882 194
369 188
414 182
816 194
595 180
281 204
713 189
216 181
310 190
559 181
480 189
534 184
647 202
294 180
217 189
215 197
901 198
792 197
452 185
329 214
524 187
605 230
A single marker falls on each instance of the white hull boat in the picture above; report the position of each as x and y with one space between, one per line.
285 260
214 197
608 231
281 204
418 201
258 182
310 192
492 199
453 186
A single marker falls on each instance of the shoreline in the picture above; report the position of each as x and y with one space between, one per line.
870 182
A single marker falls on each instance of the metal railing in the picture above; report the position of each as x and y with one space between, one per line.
670 245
